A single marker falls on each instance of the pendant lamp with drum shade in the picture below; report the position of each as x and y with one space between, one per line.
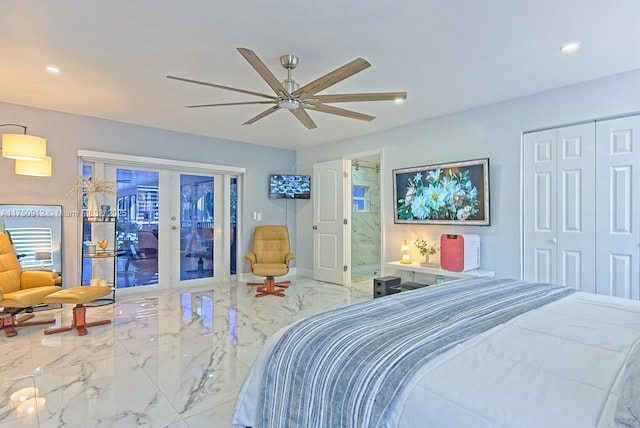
29 152
40 168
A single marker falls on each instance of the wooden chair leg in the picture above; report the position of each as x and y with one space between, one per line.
79 322
269 288
283 284
10 323
21 323
23 318
9 326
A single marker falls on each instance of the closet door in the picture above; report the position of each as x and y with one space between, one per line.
618 207
540 206
559 219
576 214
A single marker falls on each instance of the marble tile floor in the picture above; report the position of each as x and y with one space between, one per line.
169 358
360 272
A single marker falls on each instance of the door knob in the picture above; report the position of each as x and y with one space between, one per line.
174 227
315 227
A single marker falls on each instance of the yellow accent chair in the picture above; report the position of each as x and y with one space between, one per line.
21 290
270 258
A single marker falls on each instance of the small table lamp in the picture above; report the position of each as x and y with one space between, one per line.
406 257
42 256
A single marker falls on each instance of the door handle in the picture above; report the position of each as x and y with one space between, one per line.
315 227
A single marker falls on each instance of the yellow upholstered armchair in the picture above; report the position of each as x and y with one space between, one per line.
270 258
21 290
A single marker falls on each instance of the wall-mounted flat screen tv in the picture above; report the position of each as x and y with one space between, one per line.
288 186
446 193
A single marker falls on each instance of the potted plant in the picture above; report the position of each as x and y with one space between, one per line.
427 249
91 188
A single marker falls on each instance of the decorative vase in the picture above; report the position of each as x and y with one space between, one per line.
93 212
429 260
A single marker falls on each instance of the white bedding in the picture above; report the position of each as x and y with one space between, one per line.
557 366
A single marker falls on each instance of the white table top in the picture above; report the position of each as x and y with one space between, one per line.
434 270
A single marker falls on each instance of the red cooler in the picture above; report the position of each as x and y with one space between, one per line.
459 252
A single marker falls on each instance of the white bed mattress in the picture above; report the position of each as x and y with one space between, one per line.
556 366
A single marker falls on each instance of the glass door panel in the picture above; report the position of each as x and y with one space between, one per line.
196 226
233 224
138 236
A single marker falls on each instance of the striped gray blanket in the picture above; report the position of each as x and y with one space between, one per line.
344 368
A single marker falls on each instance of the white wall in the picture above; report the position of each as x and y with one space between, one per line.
492 131
66 133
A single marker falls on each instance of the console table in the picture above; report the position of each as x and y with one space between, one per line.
418 268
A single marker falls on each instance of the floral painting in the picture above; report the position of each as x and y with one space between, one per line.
452 193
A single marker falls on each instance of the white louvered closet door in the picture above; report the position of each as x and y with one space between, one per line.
559 216
617 207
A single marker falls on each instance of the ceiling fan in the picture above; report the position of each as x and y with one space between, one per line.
291 96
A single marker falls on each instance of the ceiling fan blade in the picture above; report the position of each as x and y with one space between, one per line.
303 117
271 97
347 98
230 104
337 75
342 112
264 72
265 113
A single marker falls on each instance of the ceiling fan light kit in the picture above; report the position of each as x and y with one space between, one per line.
289 103
289 95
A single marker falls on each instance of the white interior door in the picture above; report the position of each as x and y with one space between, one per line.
329 262
576 216
559 217
618 207
540 207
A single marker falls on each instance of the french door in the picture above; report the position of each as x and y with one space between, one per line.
175 227
195 222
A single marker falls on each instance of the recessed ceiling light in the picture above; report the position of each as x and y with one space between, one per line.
53 69
570 47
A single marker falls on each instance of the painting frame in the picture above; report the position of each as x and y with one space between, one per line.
452 193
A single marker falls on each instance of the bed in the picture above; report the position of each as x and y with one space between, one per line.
483 352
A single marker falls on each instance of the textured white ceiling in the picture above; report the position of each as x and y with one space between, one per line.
449 55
